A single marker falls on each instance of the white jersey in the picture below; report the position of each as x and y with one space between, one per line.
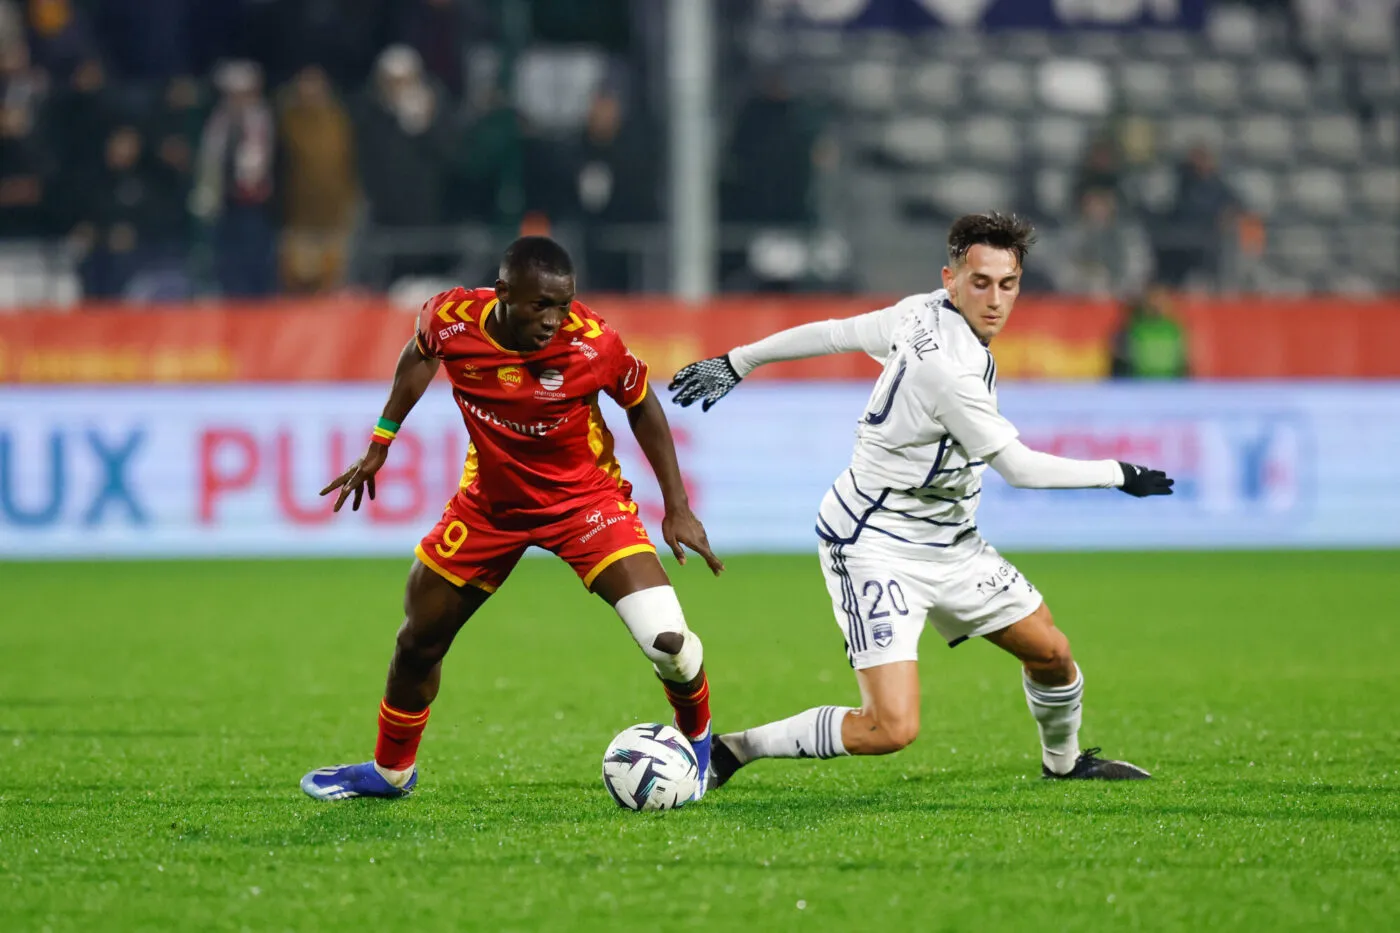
915 477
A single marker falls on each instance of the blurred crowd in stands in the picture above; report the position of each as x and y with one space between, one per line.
249 147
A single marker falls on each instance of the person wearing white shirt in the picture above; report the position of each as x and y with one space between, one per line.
899 544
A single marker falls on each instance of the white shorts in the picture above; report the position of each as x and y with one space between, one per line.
882 600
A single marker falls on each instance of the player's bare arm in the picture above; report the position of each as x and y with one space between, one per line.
680 528
412 376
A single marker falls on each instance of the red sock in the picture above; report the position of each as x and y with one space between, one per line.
692 709
399 735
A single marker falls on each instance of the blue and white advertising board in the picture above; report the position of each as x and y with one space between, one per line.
211 471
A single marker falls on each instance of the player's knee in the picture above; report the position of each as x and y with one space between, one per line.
1052 657
669 642
411 648
655 619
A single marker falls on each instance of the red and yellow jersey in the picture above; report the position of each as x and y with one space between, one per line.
537 434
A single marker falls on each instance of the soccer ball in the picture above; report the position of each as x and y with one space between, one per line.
650 767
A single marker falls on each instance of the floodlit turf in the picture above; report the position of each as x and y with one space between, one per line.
155 720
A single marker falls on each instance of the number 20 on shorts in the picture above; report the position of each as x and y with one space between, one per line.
454 535
896 594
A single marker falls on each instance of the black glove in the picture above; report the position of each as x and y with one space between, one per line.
709 379
1140 481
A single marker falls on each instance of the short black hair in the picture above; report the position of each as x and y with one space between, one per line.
994 229
535 254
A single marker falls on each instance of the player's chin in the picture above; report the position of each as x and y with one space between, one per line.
542 340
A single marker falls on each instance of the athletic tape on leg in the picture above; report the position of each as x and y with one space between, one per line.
656 611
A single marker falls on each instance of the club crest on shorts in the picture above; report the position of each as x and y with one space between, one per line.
883 633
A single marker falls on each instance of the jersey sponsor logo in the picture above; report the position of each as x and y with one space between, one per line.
451 330
584 348
510 377
535 429
600 524
883 633
470 372
551 381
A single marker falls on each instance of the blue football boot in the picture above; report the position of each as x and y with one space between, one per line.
701 748
345 781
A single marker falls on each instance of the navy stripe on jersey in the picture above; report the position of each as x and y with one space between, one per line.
987 372
933 544
884 412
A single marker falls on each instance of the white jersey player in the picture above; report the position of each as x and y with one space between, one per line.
899 543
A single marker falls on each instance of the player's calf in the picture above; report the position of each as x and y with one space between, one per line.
654 617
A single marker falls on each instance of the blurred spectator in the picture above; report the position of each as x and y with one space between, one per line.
61 37
25 173
1150 344
234 183
134 221
175 128
1099 170
434 28
78 113
317 183
11 23
767 175
1198 222
1105 252
404 149
617 178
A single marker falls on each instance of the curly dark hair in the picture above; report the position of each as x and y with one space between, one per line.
994 229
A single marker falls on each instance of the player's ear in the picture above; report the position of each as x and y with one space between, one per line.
502 290
948 279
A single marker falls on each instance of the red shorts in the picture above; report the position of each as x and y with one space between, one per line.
471 548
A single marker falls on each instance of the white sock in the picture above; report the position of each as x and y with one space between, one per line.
396 778
815 733
1058 711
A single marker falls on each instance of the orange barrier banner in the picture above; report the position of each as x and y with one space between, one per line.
354 339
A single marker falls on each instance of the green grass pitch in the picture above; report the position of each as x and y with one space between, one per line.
155 719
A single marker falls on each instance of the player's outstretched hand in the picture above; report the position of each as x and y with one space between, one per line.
681 527
1140 481
359 478
709 379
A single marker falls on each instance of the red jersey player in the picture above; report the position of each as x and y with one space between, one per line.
527 362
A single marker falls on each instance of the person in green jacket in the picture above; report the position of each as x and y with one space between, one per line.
1151 344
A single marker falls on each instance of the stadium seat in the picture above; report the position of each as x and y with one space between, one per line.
1379 81
1378 193
1317 192
1004 85
935 85
1059 139
1300 248
1265 138
964 190
1333 137
870 86
1181 133
1215 85
1257 188
1281 85
1075 86
1053 191
1234 29
1146 87
992 140
1165 44
916 140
